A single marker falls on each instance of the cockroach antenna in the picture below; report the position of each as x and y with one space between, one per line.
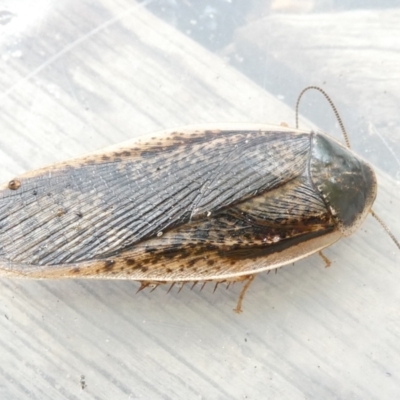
384 226
329 100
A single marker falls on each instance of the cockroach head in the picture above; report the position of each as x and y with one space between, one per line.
346 183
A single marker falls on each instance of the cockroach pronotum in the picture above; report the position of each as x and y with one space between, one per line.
199 204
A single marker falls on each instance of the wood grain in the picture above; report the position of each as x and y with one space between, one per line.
353 54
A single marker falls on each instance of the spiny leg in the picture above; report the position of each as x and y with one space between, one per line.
155 286
171 286
182 285
216 285
143 285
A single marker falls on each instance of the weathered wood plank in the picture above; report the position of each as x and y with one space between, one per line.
354 55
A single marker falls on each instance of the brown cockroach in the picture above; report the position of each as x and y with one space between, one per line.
204 203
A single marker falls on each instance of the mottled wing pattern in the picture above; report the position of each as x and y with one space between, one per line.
260 233
103 206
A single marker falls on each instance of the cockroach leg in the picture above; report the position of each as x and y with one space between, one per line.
249 279
216 285
194 284
327 261
202 286
170 288
155 286
181 286
143 285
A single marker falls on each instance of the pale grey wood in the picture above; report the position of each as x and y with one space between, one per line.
354 55
90 75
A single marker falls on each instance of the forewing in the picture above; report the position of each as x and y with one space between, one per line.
261 233
102 206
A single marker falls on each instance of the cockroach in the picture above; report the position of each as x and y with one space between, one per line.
205 203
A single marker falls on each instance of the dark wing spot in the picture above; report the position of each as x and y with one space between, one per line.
108 265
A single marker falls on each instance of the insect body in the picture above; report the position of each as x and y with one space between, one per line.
193 204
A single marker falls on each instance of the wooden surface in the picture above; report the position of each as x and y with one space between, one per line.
80 76
354 55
